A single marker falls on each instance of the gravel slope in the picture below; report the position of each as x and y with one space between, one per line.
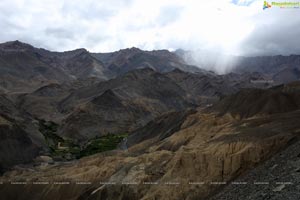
281 172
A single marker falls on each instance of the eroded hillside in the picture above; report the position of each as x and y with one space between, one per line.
210 147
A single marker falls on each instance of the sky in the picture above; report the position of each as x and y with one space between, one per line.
235 27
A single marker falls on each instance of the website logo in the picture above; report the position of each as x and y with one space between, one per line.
281 4
266 5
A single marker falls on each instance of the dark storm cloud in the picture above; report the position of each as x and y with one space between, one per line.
275 33
279 42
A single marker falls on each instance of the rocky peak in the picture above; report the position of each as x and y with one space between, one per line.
107 99
75 52
15 46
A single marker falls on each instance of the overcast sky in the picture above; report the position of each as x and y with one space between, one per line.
239 27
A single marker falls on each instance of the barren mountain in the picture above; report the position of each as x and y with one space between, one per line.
121 105
43 102
206 87
137 124
131 100
25 68
279 99
126 60
20 140
187 163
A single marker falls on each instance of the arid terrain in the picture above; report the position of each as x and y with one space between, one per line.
137 124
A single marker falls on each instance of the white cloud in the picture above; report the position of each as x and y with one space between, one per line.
233 27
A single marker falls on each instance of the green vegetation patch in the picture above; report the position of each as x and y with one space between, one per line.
66 148
104 143
59 147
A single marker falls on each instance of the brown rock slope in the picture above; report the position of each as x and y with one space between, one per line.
205 87
208 148
20 140
250 102
25 68
159 128
43 102
129 101
121 105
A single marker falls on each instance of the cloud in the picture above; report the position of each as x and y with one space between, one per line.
237 27
169 14
242 2
276 32
59 33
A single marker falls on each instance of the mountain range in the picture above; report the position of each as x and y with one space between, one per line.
138 116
